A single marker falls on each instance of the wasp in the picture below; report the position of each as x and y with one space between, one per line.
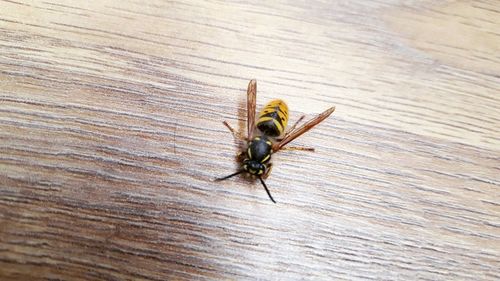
263 139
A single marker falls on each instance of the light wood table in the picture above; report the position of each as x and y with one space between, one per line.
111 135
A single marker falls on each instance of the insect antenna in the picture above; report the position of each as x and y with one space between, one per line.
267 190
231 175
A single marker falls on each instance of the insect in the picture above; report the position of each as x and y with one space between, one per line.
271 124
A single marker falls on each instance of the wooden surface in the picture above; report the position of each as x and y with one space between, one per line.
111 135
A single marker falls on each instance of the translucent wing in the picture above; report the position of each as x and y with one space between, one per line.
302 129
251 100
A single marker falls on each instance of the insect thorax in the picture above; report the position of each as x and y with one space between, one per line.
259 149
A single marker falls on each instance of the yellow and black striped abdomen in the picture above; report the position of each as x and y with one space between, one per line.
273 118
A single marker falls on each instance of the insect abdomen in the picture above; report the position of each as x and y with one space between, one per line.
273 118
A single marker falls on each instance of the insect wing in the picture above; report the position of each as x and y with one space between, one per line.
302 129
251 101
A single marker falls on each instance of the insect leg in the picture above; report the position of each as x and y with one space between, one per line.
311 149
236 135
295 124
268 171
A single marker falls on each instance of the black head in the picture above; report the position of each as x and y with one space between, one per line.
254 167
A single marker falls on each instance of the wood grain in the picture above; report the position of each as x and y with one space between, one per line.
111 136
